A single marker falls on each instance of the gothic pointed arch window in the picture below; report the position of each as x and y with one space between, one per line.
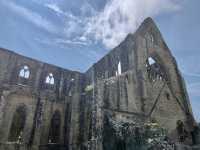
24 72
119 69
152 38
17 126
154 69
151 61
55 126
50 79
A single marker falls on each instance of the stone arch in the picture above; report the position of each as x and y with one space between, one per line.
151 61
154 69
24 72
50 79
152 38
55 128
18 123
119 69
68 86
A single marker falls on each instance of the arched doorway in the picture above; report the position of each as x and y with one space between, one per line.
18 123
54 132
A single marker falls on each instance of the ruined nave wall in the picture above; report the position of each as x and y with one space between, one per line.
23 84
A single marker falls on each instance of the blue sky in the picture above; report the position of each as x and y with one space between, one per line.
75 34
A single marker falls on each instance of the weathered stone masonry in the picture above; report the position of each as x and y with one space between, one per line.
46 107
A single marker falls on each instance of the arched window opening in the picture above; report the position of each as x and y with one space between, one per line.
50 79
17 126
24 72
116 73
152 38
154 70
167 95
181 130
151 61
119 69
54 132
68 87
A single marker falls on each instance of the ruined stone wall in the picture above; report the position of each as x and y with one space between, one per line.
156 91
137 81
40 99
108 65
164 95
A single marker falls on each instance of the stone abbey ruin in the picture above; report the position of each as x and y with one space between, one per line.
134 98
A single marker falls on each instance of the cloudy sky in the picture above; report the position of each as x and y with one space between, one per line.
75 34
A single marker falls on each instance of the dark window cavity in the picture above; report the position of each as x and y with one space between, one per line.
54 132
17 126
154 69
167 95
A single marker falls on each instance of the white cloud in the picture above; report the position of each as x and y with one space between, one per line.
88 10
54 7
68 15
32 16
60 42
74 25
120 17
110 25
73 42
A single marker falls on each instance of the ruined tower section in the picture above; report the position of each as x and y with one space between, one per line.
162 88
39 105
139 81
